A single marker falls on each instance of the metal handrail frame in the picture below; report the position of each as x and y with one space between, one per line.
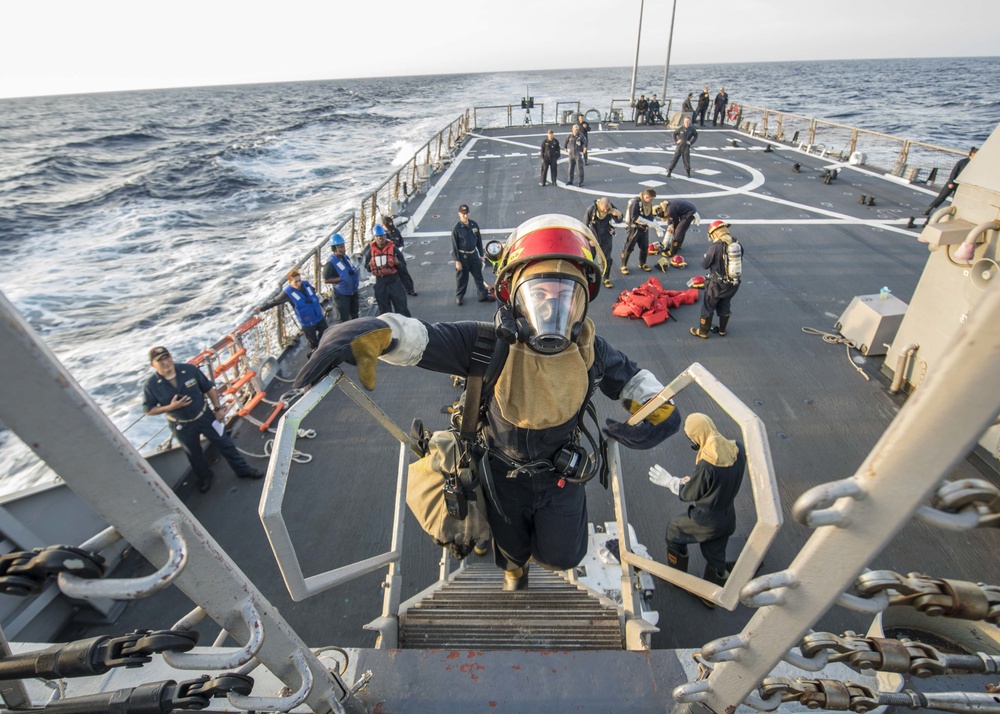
276 483
764 483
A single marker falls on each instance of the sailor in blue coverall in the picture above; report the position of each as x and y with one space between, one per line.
307 305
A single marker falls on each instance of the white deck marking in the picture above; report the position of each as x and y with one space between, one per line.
756 181
433 191
888 224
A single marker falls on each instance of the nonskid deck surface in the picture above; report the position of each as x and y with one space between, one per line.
810 247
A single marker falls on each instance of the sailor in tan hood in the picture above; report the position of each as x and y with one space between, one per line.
711 491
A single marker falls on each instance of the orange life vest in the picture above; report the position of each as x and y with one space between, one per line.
383 261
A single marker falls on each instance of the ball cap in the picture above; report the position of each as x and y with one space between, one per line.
463 208
157 352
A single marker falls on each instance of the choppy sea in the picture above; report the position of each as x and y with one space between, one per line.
161 217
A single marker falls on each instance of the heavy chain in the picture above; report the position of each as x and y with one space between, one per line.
864 654
822 693
960 599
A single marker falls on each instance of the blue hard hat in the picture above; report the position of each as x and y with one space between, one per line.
378 231
337 239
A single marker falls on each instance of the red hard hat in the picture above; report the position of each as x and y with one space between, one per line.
715 225
551 237
678 261
698 281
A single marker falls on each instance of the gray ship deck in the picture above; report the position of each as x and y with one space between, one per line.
810 248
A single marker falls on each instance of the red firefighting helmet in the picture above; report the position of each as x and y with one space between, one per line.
716 225
698 281
550 237
678 261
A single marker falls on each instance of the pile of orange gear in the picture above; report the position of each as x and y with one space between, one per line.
651 302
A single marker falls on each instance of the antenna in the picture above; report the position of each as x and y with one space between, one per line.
527 104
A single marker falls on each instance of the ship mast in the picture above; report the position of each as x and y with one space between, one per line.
635 65
670 42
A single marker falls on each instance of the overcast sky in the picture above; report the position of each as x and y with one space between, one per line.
68 46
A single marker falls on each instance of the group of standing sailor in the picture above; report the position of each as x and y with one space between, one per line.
576 146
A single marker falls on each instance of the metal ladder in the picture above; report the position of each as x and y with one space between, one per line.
471 611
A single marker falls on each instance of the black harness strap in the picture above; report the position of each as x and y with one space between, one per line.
482 355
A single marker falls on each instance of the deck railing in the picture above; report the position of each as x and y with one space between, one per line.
913 160
277 329
499 116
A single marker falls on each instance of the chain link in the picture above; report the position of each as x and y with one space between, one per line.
851 696
960 599
903 656
864 654
964 504
95 655
27 572
821 693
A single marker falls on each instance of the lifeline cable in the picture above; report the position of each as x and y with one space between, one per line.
833 339
297 456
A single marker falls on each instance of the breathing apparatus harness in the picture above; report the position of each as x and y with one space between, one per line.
572 464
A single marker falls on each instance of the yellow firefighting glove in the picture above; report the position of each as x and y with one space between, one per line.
663 412
358 342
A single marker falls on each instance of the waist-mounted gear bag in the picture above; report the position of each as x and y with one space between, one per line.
443 490
445 496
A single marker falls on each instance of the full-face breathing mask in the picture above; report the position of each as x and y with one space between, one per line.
547 313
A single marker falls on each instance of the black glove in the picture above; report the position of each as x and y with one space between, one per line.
644 435
358 341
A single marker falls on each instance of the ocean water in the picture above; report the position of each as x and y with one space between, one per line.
161 217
